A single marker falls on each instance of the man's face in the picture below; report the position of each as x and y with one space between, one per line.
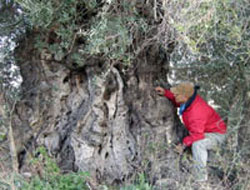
181 99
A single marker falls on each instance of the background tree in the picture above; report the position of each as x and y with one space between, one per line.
213 51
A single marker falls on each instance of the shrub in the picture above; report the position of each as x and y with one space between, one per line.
52 178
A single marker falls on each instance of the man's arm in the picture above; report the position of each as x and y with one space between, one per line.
168 94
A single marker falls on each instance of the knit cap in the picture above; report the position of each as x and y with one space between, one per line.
185 88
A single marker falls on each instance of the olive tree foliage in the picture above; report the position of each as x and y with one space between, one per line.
10 17
105 28
213 47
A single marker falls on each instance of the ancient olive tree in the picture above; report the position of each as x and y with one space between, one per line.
89 70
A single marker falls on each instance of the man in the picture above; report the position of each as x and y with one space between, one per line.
205 126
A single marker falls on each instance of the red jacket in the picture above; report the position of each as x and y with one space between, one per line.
199 118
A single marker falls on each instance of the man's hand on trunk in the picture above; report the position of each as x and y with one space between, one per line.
160 91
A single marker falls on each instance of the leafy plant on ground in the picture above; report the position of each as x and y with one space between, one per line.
140 184
51 177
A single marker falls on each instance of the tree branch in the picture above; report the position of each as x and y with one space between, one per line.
12 145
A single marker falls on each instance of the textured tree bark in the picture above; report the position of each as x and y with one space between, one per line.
102 119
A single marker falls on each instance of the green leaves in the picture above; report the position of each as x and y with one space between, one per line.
91 4
69 181
140 184
109 36
213 45
52 178
40 13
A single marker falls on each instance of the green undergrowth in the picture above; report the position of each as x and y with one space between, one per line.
49 176
71 181
223 172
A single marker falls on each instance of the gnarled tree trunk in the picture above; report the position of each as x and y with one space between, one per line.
104 119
